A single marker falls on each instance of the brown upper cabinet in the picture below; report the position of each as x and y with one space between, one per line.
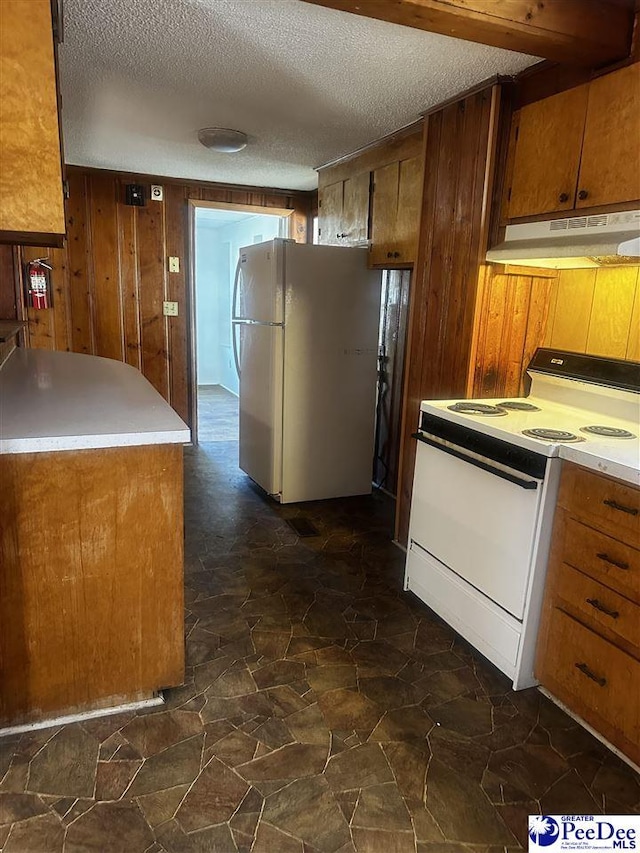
395 212
579 148
343 210
31 193
375 196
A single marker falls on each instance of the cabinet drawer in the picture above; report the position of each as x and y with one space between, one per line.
609 561
595 679
600 607
613 506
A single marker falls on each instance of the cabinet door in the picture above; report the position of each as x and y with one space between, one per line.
547 155
330 214
355 209
31 199
384 213
610 164
409 203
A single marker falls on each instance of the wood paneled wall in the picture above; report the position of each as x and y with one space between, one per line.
596 311
111 278
511 322
459 144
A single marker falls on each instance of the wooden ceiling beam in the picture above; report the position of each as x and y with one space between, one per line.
589 33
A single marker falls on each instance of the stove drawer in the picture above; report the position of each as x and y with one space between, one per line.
486 626
609 561
595 680
600 608
613 506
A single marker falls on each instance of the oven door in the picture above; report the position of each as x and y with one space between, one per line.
478 516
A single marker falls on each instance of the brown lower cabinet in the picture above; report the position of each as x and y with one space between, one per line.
589 643
91 579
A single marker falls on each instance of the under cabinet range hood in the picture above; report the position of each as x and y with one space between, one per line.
608 239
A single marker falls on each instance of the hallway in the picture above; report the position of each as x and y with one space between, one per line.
325 710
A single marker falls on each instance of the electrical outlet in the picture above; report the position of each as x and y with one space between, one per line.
157 193
174 264
170 309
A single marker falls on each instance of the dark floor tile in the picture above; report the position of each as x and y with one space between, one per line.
294 761
161 806
177 765
16 807
152 733
308 810
213 799
348 709
461 809
215 839
382 807
458 752
308 726
268 839
66 765
234 748
533 769
403 724
382 841
116 827
113 778
569 795
464 716
358 767
44 834
409 763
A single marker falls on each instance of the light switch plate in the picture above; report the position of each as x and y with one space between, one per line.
170 309
174 264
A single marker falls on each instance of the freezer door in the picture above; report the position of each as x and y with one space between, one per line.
261 357
258 292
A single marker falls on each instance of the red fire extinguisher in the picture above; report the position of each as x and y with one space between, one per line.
38 286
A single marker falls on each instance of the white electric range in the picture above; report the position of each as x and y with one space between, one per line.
484 494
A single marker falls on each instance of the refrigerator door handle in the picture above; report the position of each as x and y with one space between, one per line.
234 340
236 288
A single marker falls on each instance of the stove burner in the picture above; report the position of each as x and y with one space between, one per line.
476 409
552 435
607 431
518 406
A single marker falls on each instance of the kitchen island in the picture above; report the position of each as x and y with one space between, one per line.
91 541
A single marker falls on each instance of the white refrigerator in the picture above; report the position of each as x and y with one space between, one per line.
305 335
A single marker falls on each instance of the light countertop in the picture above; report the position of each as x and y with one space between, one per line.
53 401
618 458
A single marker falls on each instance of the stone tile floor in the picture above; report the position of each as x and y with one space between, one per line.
324 710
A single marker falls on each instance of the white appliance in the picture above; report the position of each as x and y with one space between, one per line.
484 494
305 321
604 239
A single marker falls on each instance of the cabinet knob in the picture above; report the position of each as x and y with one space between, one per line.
563 197
583 194
389 254
396 254
344 234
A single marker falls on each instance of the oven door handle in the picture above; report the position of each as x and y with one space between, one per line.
459 454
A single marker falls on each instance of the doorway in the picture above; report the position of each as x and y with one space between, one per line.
219 231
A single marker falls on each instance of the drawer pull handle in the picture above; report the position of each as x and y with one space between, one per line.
617 563
597 678
598 606
630 510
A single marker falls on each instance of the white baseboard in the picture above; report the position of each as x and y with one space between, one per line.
85 715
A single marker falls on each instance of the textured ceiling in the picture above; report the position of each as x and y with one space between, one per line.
307 84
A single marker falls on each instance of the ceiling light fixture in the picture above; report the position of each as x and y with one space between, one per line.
223 139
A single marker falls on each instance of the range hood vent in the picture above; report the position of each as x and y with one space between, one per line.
608 239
